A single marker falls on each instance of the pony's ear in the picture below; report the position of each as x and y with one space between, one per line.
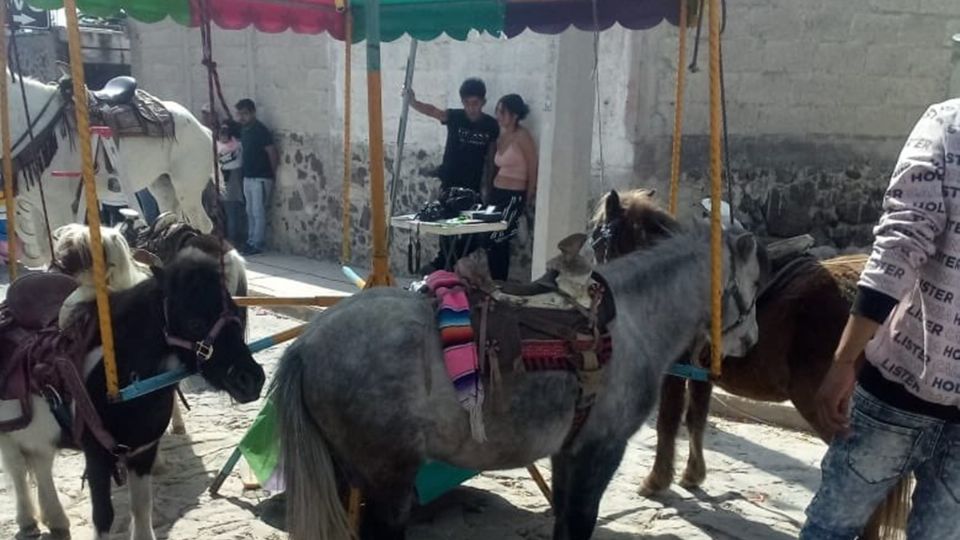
571 245
64 69
612 205
746 245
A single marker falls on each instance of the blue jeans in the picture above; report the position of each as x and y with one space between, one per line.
256 192
886 445
235 216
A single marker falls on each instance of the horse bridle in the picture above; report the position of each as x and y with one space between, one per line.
603 245
203 349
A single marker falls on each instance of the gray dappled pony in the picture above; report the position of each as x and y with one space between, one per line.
364 398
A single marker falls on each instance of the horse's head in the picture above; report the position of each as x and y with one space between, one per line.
203 323
627 221
743 269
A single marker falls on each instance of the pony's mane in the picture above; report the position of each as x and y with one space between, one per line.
637 204
662 258
72 251
794 281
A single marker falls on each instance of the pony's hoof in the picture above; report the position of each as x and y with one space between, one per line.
692 479
653 485
179 430
57 534
28 533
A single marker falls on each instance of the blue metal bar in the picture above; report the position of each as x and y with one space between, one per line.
688 371
146 386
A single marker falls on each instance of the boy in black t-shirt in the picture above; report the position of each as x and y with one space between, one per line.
471 137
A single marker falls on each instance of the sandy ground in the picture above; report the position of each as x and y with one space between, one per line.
760 480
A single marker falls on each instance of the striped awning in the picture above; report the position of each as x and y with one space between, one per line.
421 19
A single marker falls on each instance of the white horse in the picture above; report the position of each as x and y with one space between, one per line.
175 170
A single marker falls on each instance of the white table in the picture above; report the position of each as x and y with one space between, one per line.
458 227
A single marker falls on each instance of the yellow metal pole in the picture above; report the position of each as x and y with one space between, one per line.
716 194
7 156
678 110
347 150
381 265
90 192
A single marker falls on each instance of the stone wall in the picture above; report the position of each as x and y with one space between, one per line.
820 95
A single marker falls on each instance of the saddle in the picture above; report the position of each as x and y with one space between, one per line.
28 319
117 91
127 110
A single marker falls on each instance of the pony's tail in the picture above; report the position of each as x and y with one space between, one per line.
314 510
889 521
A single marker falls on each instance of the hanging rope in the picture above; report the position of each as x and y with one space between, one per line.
15 52
678 111
347 125
716 194
214 91
696 42
90 191
723 105
206 39
596 79
7 161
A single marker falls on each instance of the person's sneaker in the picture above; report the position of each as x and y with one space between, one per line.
253 251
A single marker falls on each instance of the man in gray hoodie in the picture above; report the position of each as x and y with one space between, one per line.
892 395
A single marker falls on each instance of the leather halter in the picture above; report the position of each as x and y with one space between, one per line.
602 242
203 349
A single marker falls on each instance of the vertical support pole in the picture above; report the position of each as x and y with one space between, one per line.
716 194
8 178
347 149
402 133
381 265
90 191
678 110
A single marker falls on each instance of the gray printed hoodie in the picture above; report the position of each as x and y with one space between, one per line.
916 260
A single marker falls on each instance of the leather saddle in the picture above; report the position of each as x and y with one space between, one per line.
117 91
33 301
30 310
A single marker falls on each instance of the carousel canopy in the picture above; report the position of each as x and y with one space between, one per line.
421 19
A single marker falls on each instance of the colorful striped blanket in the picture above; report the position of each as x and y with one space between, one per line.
459 347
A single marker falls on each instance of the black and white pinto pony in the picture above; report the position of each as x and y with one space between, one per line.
157 324
364 399
175 170
72 256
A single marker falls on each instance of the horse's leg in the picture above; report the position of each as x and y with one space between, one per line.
99 470
50 508
388 509
668 424
15 464
697 410
584 477
177 427
163 193
141 494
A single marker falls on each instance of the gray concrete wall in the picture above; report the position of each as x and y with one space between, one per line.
820 96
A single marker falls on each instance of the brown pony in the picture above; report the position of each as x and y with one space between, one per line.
801 313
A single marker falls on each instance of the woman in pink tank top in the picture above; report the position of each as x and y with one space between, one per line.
516 180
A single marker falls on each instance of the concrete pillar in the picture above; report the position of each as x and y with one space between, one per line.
566 142
954 89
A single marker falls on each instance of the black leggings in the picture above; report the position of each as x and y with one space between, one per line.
512 204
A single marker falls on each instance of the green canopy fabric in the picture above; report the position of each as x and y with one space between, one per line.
148 11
